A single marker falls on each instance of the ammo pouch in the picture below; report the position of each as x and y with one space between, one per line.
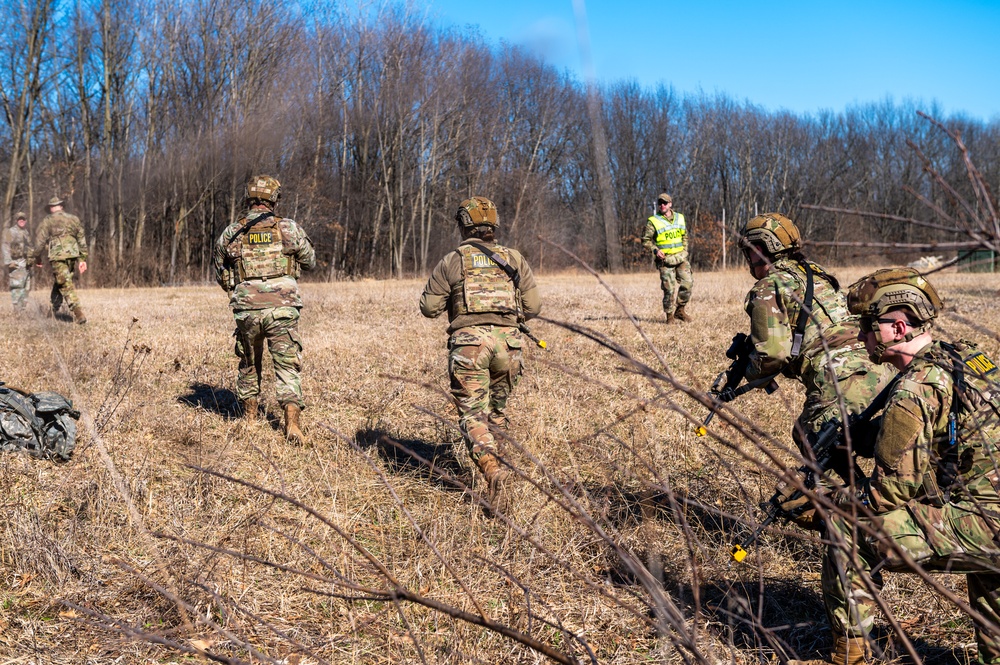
43 424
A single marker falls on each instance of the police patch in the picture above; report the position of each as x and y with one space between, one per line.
260 237
980 364
481 261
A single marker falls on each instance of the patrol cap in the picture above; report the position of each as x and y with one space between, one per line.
477 211
664 198
20 214
55 201
894 288
774 231
264 187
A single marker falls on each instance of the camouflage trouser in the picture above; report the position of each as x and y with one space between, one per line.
484 364
19 280
675 279
62 284
279 326
857 379
962 542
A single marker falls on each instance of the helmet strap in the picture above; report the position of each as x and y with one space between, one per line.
882 347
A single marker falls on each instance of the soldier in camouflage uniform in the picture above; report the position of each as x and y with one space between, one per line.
665 236
934 490
485 306
61 236
16 248
826 357
257 261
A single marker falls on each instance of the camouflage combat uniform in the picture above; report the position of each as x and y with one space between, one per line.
61 235
773 305
259 271
940 525
16 250
484 361
675 269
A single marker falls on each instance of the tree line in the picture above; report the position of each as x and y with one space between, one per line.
149 116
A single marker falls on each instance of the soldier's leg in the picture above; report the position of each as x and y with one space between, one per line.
505 372
984 597
249 350
64 276
685 280
55 297
18 280
471 352
281 329
668 284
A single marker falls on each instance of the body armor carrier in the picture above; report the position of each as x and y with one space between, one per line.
260 252
487 288
62 243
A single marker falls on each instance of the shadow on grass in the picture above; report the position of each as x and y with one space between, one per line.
403 456
212 398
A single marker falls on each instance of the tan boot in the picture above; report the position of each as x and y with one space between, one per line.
846 651
249 409
292 431
496 477
670 318
682 315
79 316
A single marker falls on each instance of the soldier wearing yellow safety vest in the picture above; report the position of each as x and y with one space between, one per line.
666 237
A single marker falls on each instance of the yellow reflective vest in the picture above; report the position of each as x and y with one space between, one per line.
669 233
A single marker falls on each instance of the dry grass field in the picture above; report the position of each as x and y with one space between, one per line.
179 530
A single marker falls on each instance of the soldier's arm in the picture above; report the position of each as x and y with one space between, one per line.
903 447
5 247
434 299
769 331
223 271
41 241
649 237
531 300
81 240
684 236
305 254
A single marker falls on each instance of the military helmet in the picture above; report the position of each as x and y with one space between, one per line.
477 211
894 288
20 214
663 198
55 201
772 230
264 187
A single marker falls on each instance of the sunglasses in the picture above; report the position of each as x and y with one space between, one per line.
866 323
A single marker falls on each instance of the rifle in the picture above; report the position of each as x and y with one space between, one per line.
726 386
542 344
828 443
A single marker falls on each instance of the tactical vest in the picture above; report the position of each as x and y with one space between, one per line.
20 242
62 243
261 252
486 287
828 305
965 452
669 233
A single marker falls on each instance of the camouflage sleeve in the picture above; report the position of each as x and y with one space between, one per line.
769 330
220 258
531 300
434 299
684 238
649 237
81 238
5 247
41 241
903 448
302 248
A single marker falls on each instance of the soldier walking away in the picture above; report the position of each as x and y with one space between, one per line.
488 290
61 235
666 237
16 250
933 495
800 327
258 260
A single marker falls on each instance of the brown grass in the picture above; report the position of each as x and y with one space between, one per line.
131 554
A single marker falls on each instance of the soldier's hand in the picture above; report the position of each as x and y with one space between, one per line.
12 266
83 267
660 255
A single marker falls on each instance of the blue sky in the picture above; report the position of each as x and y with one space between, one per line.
800 56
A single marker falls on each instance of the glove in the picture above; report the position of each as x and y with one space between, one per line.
798 509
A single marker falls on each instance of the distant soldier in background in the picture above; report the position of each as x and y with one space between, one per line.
257 261
15 249
61 235
488 290
800 327
666 237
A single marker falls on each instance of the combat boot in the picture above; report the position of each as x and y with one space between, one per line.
682 315
496 477
846 651
250 409
670 318
292 431
79 316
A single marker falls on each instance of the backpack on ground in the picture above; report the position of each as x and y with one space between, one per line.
43 424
